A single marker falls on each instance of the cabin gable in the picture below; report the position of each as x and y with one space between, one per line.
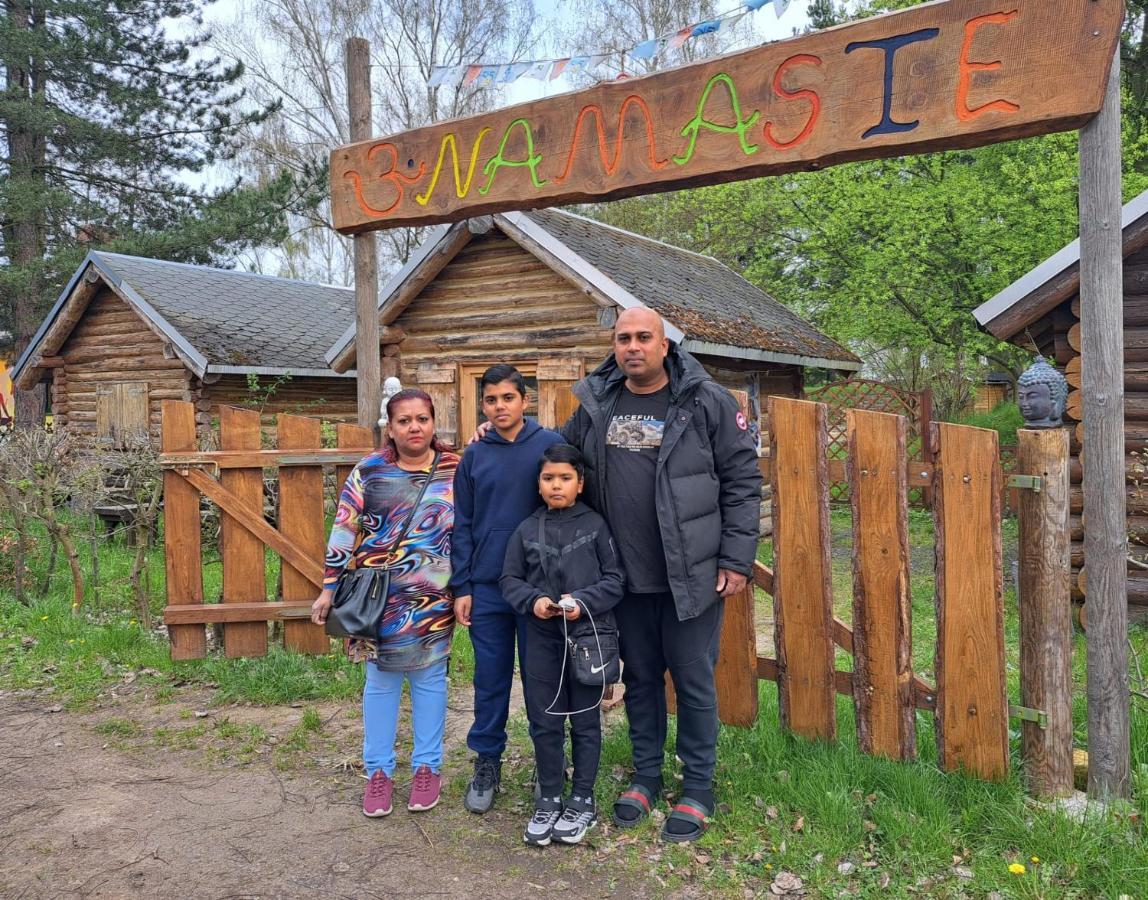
113 373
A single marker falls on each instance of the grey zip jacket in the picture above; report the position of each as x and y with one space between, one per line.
707 483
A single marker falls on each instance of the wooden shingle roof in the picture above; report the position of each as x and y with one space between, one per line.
217 320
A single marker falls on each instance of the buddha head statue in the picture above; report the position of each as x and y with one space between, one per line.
1042 394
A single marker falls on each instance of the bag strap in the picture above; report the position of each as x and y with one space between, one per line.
418 500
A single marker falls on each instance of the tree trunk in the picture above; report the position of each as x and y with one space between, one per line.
24 237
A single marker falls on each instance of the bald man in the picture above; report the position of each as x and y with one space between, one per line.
670 465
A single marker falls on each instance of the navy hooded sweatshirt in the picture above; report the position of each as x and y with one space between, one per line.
495 488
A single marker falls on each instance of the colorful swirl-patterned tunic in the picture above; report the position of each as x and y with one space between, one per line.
419 617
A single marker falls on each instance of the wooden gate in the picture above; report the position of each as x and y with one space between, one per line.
298 537
969 700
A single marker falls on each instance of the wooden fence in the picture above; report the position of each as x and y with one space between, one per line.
968 700
298 538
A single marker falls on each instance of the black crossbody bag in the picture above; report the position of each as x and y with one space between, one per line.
593 651
361 596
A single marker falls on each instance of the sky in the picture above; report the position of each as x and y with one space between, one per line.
764 24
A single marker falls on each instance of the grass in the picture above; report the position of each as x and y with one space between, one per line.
840 820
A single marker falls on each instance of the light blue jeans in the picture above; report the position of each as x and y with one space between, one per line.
381 695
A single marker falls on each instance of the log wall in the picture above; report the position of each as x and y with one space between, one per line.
331 399
111 345
496 302
1057 335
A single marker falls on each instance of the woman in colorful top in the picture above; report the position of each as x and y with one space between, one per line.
414 636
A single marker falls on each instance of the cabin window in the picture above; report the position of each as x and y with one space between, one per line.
121 413
471 399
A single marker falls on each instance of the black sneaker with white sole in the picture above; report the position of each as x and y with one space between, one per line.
483 786
547 811
578 817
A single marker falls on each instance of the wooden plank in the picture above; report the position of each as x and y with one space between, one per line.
301 523
1103 339
181 532
736 672
351 437
917 473
244 570
882 631
944 75
556 400
239 510
222 613
1045 611
972 707
802 602
442 385
924 697
251 459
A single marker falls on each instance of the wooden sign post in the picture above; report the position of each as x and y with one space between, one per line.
367 364
957 73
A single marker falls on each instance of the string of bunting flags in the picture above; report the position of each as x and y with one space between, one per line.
550 69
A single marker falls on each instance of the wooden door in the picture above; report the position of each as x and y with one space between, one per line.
121 413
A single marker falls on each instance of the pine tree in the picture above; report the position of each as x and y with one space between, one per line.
825 14
107 119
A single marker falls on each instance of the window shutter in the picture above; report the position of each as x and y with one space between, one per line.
556 401
121 413
441 382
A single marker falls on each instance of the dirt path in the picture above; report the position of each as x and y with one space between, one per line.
139 799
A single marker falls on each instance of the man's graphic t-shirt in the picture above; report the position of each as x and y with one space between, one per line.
633 441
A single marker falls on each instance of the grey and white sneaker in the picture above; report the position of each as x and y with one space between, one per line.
579 816
547 810
484 785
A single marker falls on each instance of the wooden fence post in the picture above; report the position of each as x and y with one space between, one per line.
882 632
972 701
803 593
1046 611
244 569
181 530
301 521
1105 499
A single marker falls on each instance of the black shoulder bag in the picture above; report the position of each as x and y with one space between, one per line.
593 651
361 597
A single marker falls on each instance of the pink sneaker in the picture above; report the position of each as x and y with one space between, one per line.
425 788
377 797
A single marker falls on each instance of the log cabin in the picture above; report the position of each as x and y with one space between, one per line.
542 290
1041 312
128 333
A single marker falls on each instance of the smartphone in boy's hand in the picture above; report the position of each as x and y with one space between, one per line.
545 608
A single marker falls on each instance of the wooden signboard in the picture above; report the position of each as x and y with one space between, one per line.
951 74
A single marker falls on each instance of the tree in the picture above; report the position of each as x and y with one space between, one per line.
294 50
106 120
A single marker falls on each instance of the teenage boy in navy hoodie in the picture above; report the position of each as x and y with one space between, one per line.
495 489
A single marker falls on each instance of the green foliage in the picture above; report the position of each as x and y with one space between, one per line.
1004 419
108 119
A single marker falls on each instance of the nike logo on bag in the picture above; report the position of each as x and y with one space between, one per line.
594 670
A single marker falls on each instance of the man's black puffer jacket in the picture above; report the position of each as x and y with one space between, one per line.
707 481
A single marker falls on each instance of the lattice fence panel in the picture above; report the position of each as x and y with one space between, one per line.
915 406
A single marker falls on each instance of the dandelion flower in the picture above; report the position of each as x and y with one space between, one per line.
1017 868
1035 859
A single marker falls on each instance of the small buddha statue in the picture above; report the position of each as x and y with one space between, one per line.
1042 394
